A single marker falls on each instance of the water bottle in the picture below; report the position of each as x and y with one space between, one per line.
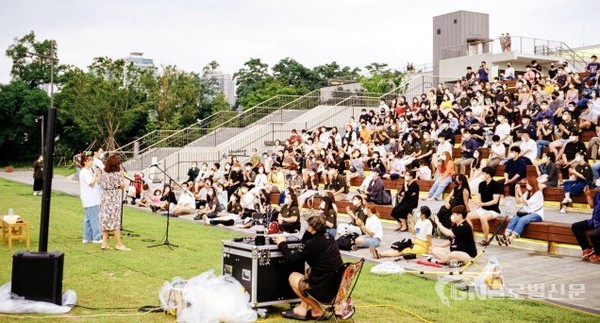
11 211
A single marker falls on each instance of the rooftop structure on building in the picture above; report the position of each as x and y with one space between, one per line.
139 61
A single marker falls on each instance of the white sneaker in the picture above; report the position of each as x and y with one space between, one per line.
85 241
97 241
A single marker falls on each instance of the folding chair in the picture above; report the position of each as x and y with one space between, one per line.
341 306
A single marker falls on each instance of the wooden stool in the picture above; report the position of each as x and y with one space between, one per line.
15 231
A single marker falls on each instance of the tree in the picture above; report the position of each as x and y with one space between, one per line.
174 98
106 101
33 69
19 132
248 80
380 78
334 71
290 72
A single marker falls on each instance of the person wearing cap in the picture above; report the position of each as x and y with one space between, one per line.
580 176
487 208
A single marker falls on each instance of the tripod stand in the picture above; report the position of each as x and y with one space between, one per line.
128 233
166 242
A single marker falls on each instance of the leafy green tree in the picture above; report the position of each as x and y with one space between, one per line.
106 101
334 71
174 98
33 69
291 73
380 79
250 78
19 132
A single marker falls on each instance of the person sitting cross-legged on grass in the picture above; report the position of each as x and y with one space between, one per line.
321 283
591 228
461 243
487 208
423 231
532 211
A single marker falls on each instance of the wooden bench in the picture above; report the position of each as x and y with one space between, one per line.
550 232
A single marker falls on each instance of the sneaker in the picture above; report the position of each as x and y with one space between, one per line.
197 218
355 247
85 241
587 253
595 258
97 241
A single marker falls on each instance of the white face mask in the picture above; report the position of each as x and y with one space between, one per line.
565 117
454 218
287 201
443 158
355 203
407 178
577 159
512 155
210 193
544 159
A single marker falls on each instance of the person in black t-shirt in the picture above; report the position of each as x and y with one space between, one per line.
486 208
461 242
320 251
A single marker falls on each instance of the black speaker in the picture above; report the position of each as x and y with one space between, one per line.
38 276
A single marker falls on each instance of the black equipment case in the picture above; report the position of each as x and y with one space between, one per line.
261 270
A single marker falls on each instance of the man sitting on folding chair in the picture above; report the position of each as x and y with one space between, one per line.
321 282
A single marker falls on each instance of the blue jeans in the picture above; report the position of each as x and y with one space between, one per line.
91 224
517 224
540 145
596 171
332 232
369 242
574 187
437 189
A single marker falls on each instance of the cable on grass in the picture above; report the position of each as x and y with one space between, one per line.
398 308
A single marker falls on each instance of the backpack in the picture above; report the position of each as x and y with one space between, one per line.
403 244
346 241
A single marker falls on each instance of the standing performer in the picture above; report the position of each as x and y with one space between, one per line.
110 203
38 175
90 198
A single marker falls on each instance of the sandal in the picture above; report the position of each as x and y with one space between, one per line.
105 248
291 315
501 240
483 243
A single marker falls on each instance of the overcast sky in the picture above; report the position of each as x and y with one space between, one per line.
191 33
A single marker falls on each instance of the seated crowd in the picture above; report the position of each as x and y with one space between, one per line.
537 124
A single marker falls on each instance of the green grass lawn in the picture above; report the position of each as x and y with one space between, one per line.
109 279
58 170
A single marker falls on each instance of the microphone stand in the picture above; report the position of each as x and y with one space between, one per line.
129 233
166 242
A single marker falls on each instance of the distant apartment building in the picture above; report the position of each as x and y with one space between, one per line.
225 85
139 61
